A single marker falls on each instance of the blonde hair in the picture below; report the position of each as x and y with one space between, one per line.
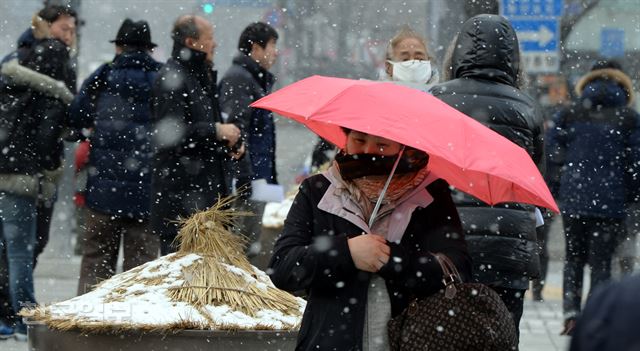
405 33
40 27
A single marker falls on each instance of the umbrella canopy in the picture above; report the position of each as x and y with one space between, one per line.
467 154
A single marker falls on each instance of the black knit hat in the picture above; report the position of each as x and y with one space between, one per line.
134 34
604 64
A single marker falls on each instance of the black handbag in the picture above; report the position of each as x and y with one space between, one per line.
462 316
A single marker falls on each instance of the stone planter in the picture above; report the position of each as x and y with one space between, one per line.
42 338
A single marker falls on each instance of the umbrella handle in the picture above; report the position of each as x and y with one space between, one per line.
374 214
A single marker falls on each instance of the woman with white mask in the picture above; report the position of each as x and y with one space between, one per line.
408 61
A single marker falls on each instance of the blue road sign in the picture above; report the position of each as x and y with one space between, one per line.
537 24
531 8
536 35
612 42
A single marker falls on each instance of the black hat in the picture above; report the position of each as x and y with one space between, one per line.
135 34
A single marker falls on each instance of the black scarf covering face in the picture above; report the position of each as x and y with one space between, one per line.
360 165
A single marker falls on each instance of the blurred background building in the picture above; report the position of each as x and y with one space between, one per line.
344 38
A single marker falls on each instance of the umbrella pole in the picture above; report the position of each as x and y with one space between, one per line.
374 214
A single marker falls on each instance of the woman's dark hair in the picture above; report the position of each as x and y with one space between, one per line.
53 12
257 32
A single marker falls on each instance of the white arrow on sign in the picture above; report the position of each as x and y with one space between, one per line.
543 35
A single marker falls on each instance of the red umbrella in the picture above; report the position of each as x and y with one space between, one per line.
470 156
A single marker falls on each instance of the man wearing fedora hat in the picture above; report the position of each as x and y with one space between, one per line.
134 35
114 102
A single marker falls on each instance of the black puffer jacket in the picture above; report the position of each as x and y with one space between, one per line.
312 254
484 68
33 113
188 166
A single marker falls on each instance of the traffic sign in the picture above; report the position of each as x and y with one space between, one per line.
537 35
531 8
537 25
612 42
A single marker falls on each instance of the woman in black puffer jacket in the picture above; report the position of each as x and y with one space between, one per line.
485 70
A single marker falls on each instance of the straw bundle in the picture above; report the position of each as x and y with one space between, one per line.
207 284
224 276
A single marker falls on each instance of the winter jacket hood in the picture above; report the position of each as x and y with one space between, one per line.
480 53
606 87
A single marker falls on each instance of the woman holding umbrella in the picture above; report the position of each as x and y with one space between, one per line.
361 260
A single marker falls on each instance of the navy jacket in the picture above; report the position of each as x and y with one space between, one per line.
594 146
244 83
502 239
114 101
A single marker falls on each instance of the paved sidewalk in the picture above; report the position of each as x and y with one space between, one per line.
541 326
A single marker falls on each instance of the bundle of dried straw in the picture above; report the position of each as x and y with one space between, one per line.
216 280
210 273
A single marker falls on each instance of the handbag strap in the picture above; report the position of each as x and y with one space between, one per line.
450 274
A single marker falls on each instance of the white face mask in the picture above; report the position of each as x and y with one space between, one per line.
414 71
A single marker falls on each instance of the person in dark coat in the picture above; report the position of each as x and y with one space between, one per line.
191 143
36 87
50 22
594 147
114 103
484 66
610 318
247 80
355 277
